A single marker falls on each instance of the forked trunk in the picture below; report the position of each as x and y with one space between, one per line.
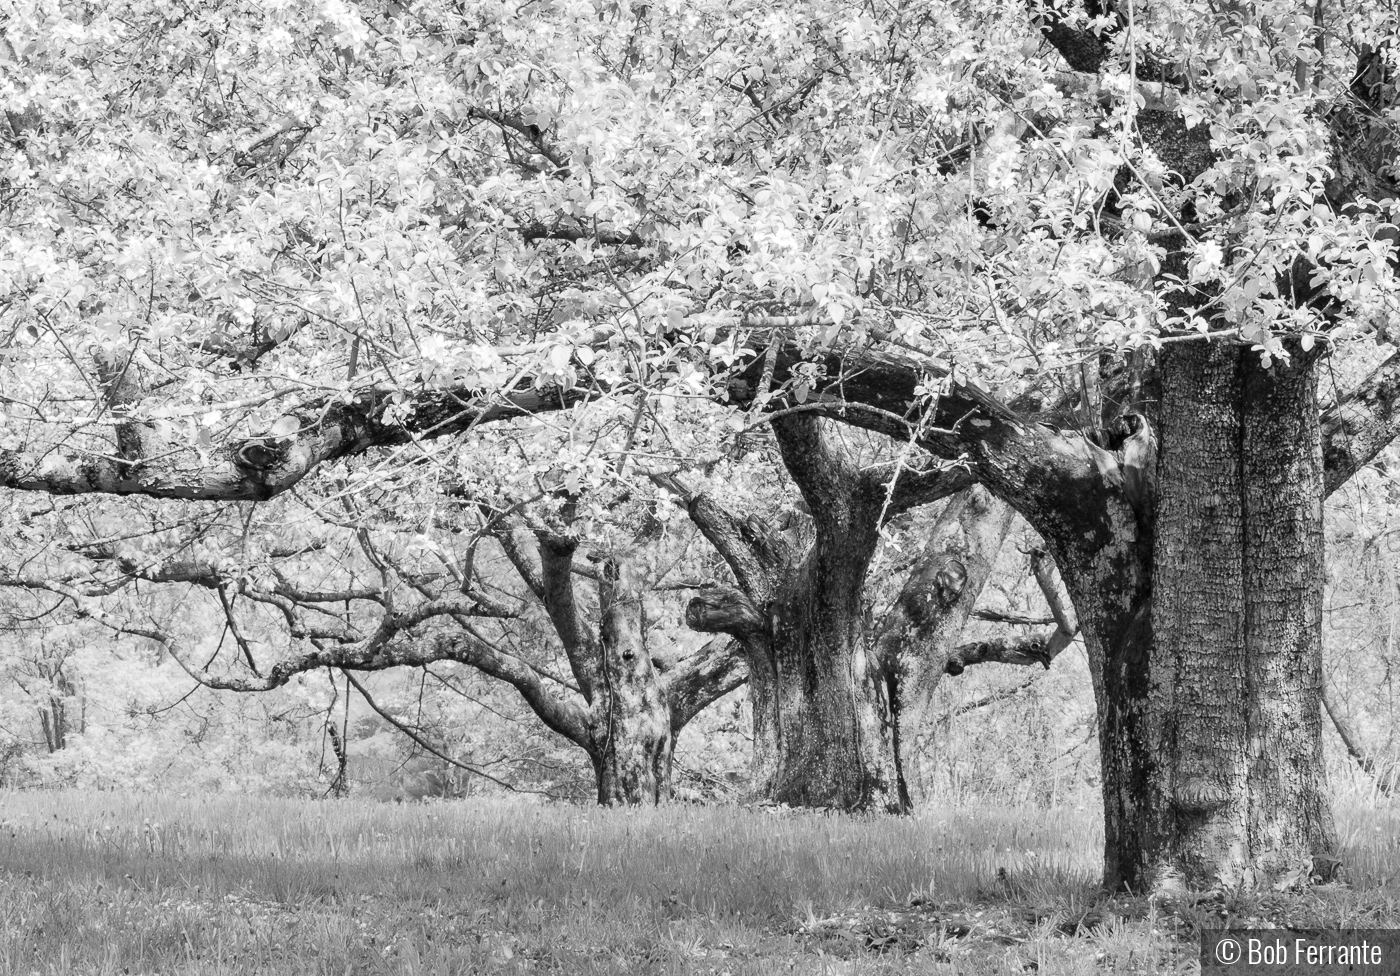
824 711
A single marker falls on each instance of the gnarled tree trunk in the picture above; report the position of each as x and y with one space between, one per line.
823 722
916 639
629 722
634 703
834 737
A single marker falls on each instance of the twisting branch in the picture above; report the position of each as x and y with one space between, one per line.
753 551
711 673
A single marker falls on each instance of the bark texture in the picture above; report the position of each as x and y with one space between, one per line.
824 702
1236 788
835 745
630 722
915 639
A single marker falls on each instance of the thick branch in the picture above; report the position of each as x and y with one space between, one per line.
522 549
581 642
703 678
562 717
1020 650
722 610
1361 424
388 647
1042 569
753 550
915 486
818 468
260 468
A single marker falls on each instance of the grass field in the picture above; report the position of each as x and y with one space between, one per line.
101 884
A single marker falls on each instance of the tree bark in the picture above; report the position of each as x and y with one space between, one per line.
1290 813
916 638
630 718
823 717
834 734
1213 770
1195 806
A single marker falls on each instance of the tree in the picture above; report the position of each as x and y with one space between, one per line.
1103 291
637 698
42 674
823 713
391 608
835 689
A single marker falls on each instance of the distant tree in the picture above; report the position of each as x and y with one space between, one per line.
836 691
38 665
379 606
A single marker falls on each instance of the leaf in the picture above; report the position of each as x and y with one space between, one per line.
285 426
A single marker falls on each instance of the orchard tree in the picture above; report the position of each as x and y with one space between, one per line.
350 600
834 690
636 696
1091 257
822 712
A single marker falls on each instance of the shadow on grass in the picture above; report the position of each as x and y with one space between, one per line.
98 883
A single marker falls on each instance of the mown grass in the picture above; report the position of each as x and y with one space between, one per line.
102 883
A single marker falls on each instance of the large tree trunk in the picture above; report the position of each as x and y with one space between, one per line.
1111 593
823 728
630 718
834 739
1209 703
1290 813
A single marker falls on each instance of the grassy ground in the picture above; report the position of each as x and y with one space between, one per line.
102 883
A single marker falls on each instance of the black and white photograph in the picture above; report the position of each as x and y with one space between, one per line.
699 487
